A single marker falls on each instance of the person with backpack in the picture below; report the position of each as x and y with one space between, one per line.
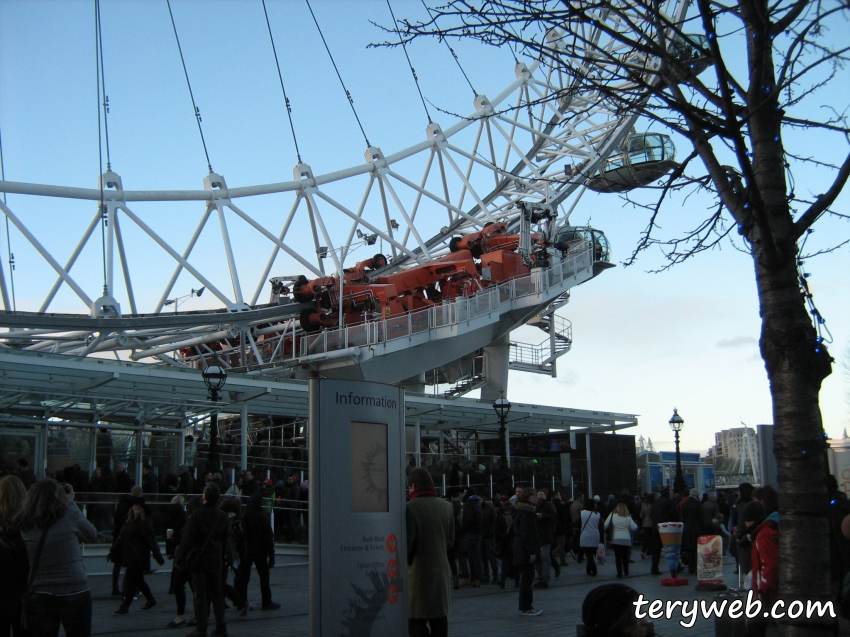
254 545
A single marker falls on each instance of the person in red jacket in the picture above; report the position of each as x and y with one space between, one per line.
763 533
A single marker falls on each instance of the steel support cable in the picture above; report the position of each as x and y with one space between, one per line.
98 65
451 50
330 55
409 63
189 85
103 85
11 257
280 77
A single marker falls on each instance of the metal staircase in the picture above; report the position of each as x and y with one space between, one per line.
540 358
475 380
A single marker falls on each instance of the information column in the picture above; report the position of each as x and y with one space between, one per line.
357 509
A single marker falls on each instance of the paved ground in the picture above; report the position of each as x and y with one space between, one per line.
488 610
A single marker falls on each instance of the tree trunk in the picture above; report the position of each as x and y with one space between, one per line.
795 369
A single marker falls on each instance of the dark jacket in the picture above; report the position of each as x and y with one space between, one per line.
185 483
692 518
123 482
175 519
259 541
122 510
709 511
136 544
503 540
150 484
547 521
16 569
526 534
664 510
473 516
250 488
564 524
488 520
208 521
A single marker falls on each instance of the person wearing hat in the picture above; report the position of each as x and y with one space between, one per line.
609 611
469 549
136 545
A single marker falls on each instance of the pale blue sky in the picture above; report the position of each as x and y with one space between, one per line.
643 343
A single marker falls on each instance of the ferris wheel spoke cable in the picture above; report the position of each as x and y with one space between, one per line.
409 63
11 257
189 85
280 77
101 83
451 50
330 55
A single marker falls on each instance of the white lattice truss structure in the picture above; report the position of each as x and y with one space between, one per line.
535 141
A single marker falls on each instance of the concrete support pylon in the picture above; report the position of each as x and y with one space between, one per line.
496 359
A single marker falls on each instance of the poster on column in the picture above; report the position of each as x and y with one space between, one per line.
358 561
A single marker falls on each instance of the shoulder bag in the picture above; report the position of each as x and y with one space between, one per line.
26 598
189 560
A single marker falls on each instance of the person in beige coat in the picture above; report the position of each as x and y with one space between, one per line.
430 533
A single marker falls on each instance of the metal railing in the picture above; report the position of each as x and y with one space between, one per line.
541 353
460 310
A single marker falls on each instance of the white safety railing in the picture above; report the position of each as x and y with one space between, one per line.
460 310
542 353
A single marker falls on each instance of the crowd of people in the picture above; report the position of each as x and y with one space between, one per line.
45 585
473 540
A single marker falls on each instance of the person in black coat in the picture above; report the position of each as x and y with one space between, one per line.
14 561
663 510
123 481
254 544
122 510
175 520
526 547
136 543
209 529
692 518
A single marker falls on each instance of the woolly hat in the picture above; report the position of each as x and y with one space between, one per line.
694 492
470 491
753 512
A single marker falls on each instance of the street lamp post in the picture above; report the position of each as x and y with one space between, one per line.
502 406
214 378
676 424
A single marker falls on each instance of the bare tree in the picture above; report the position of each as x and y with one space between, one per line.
731 78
